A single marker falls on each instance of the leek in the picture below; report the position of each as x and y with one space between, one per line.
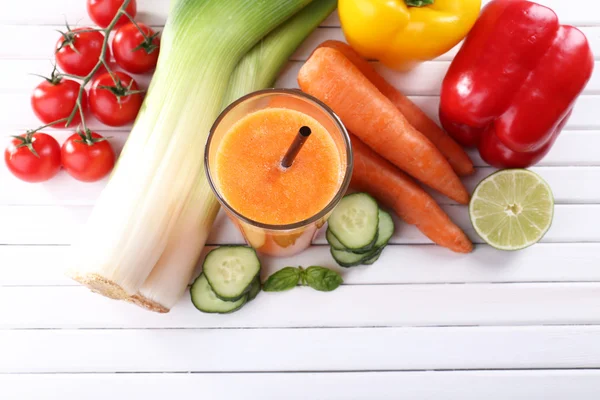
159 179
257 70
261 66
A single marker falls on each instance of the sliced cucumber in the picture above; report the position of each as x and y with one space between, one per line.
205 300
336 244
373 259
230 271
255 288
348 259
333 241
354 222
385 229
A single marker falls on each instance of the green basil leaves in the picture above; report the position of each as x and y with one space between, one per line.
282 280
318 278
322 279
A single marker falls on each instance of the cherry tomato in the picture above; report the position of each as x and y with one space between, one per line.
87 157
33 157
55 99
78 51
111 103
102 12
134 52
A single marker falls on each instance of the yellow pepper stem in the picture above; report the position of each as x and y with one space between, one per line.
418 3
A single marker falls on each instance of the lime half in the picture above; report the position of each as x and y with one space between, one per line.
512 209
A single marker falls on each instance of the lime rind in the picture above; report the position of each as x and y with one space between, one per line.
512 209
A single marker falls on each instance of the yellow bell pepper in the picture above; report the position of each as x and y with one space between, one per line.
401 33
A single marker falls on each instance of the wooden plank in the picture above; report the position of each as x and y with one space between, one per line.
425 80
59 224
227 350
583 116
406 264
67 307
570 186
414 385
573 148
154 12
18 116
151 12
37 42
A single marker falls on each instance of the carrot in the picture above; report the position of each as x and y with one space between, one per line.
332 78
398 191
457 157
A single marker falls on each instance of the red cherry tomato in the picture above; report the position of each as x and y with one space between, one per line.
33 157
111 103
87 157
132 51
78 51
102 12
55 99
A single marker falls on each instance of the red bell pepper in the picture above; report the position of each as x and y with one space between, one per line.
512 86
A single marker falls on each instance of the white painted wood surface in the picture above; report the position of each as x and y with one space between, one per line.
420 324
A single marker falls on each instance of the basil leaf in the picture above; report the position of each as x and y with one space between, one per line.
418 3
284 279
322 279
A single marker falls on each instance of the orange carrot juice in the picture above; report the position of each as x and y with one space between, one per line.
252 180
277 209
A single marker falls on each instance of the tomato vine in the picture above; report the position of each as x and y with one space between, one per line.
102 62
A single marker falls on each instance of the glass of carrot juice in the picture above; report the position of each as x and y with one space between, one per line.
278 209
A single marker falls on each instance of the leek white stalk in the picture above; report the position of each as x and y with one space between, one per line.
161 168
257 70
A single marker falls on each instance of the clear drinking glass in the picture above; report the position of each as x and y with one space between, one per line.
279 240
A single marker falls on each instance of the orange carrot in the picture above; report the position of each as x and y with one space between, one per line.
332 78
398 191
457 157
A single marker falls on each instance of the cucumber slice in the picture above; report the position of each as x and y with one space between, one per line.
373 259
385 229
336 244
205 300
333 241
255 289
230 271
348 259
354 221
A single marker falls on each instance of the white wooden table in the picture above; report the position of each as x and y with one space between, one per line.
420 324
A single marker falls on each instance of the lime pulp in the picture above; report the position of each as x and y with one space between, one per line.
512 209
